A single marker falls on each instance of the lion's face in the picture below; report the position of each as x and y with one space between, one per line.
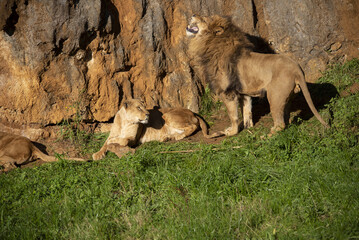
203 26
136 111
197 25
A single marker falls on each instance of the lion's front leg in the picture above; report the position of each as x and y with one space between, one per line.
118 140
119 150
231 102
100 154
246 106
107 146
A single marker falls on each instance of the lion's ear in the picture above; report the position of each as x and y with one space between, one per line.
218 30
126 104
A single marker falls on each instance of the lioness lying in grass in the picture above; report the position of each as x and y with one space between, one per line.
134 124
17 150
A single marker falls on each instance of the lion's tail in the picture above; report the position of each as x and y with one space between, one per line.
39 154
303 85
204 128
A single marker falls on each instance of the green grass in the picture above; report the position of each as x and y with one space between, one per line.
303 183
208 104
341 76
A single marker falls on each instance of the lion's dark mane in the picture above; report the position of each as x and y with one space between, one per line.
220 52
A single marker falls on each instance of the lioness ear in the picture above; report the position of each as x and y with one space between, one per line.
218 30
125 104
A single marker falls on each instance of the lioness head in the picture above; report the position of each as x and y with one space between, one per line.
213 25
136 111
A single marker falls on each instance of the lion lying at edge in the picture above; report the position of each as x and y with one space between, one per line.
134 124
17 150
223 55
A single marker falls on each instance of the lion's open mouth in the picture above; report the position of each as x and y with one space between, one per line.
192 29
145 121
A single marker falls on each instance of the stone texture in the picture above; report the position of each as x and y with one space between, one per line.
311 31
64 59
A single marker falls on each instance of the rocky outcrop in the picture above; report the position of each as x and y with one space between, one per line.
80 59
314 32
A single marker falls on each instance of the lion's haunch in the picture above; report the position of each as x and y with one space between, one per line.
18 150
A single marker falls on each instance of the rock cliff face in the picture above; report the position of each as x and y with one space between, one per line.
68 58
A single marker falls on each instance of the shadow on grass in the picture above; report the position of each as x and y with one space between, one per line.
321 95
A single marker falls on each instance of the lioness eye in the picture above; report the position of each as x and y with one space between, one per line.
139 108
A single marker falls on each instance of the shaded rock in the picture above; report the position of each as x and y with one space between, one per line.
335 46
31 133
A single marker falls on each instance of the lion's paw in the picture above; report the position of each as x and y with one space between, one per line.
231 131
120 151
276 129
179 137
123 152
217 134
248 124
111 140
98 156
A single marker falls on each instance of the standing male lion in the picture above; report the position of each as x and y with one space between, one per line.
224 56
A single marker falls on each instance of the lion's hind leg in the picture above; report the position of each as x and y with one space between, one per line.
185 132
7 163
277 111
18 151
180 123
277 103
